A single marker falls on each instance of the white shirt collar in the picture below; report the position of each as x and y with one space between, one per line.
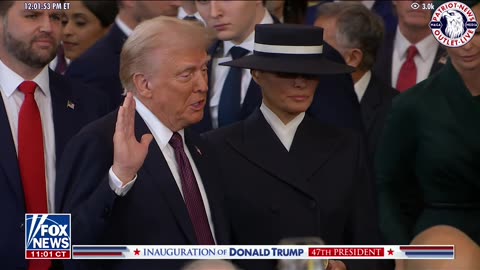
10 80
426 47
160 132
285 133
123 26
182 14
248 43
369 3
362 84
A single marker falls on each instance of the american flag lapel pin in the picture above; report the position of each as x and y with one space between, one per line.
70 105
198 150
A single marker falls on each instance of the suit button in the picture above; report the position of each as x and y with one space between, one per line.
313 204
22 227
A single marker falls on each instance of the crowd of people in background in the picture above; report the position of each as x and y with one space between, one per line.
239 122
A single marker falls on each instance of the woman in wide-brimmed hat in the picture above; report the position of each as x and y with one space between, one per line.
286 174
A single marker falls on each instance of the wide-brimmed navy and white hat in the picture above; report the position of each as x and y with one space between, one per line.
289 48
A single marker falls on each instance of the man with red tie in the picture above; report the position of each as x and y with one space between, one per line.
39 112
410 54
140 175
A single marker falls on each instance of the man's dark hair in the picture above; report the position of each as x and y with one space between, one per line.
105 11
5 6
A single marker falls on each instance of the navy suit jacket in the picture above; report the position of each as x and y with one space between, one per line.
383 64
88 105
375 106
335 101
153 212
99 66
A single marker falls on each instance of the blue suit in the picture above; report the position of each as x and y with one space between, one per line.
99 66
67 122
335 101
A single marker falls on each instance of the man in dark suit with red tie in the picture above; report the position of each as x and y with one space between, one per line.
39 112
410 54
140 175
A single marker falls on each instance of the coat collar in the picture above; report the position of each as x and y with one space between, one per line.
258 143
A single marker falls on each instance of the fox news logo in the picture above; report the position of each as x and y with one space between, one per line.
47 236
453 24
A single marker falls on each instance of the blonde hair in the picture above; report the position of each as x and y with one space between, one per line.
160 33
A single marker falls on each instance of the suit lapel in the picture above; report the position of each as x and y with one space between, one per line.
8 155
440 60
64 107
260 145
252 101
206 123
369 104
160 175
117 38
383 67
208 175
312 146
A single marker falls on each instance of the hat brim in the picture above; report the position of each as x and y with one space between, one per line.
308 66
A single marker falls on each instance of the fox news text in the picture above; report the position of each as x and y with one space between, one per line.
47 236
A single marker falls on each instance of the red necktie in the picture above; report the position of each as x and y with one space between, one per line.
31 159
191 193
407 77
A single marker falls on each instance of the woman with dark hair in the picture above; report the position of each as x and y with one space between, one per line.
85 23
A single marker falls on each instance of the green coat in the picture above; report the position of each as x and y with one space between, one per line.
428 160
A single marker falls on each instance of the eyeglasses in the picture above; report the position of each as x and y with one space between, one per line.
285 75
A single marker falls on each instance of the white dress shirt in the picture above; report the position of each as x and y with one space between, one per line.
123 26
13 100
284 132
219 73
427 49
162 136
361 85
182 14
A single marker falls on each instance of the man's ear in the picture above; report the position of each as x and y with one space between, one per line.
353 57
142 85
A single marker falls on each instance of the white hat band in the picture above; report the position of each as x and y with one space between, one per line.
282 49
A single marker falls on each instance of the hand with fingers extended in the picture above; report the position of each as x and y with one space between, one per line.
129 154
